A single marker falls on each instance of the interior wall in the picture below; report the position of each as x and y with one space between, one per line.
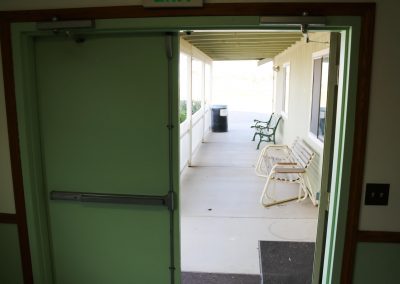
383 153
10 260
382 150
376 263
6 187
297 121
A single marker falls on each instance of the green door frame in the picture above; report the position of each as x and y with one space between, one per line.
355 20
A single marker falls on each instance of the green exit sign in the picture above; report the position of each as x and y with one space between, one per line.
172 3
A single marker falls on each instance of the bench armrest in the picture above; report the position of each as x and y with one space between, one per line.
259 125
256 120
277 146
287 168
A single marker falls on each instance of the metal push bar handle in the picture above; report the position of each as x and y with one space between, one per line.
166 200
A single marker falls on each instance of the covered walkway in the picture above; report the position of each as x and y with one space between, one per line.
222 220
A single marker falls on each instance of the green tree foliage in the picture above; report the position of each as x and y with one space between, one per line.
196 105
182 111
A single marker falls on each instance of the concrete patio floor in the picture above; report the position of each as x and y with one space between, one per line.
221 217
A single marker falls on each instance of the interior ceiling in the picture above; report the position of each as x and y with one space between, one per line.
246 45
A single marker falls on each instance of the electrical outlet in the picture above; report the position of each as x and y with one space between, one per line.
377 194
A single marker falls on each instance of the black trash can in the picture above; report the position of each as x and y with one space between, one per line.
219 118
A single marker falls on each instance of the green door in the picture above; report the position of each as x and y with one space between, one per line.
103 110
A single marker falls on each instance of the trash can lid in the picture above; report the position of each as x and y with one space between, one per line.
219 106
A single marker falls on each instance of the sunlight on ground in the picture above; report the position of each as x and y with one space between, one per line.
243 86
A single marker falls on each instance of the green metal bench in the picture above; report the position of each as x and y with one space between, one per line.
260 124
267 133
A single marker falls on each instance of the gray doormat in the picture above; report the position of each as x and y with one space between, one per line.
286 262
219 278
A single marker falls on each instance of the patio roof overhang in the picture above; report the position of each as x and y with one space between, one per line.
241 45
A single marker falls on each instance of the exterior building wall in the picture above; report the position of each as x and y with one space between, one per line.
296 122
196 126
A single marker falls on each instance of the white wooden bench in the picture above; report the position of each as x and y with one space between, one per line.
281 163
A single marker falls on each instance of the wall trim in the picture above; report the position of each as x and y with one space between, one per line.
6 218
211 9
13 138
365 10
360 141
378 237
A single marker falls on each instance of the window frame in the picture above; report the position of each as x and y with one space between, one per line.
285 89
188 86
321 54
201 82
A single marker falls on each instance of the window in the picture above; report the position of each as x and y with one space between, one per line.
197 84
319 96
285 88
183 86
207 83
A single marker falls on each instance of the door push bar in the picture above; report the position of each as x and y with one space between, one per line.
151 200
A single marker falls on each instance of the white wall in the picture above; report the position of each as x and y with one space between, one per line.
383 151
6 187
184 145
297 121
197 130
